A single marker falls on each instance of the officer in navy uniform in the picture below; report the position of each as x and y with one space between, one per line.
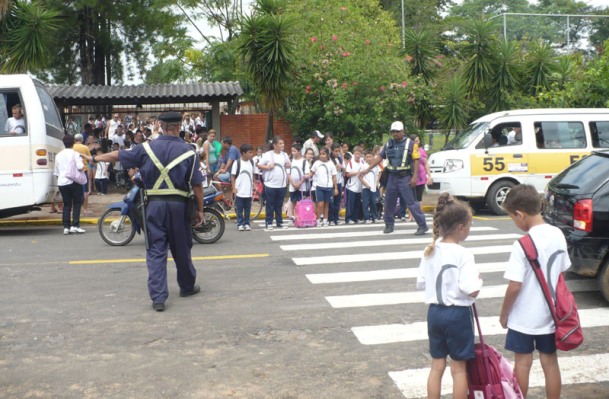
166 165
403 156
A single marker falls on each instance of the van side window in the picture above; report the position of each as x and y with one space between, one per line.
600 134
51 116
505 134
551 135
12 115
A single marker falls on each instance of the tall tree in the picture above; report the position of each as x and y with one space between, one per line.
102 41
267 48
480 53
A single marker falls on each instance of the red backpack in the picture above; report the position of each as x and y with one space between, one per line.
569 334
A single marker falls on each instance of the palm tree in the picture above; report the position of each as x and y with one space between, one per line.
420 47
504 81
480 52
267 48
28 30
455 111
540 63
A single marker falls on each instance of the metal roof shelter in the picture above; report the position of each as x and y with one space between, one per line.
152 98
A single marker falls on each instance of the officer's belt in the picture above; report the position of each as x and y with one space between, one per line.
167 198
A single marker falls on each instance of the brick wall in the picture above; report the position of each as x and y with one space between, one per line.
251 129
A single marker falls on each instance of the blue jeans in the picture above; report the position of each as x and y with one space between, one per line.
354 202
224 177
243 207
397 185
274 204
369 204
335 205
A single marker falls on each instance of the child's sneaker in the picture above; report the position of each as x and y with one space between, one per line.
326 223
75 229
66 232
241 228
368 221
247 227
269 227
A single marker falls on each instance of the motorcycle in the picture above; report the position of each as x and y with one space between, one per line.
118 225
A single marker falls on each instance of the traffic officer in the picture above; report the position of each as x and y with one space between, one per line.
402 156
168 168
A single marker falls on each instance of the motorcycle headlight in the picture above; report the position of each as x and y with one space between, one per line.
452 165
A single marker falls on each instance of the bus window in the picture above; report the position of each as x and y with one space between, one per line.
12 115
551 135
600 134
51 116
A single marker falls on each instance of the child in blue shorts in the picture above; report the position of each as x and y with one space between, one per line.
451 281
324 177
525 312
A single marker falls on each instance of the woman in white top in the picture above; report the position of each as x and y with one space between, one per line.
70 191
275 163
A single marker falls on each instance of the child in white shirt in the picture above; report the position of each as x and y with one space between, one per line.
101 177
451 281
353 190
242 181
296 179
370 183
323 172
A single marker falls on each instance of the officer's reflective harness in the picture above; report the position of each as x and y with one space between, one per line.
164 177
404 165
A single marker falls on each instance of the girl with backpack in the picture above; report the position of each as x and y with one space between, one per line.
295 179
338 163
451 282
323 172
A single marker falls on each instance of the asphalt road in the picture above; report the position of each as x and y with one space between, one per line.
76 320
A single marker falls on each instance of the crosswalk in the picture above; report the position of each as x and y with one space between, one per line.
343 258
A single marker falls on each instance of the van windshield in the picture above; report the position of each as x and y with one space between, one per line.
466 137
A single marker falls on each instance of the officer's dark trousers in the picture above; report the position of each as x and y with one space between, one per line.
168 229
395 185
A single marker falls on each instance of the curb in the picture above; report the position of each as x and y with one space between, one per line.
93 221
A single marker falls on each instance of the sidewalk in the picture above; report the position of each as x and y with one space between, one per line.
99 203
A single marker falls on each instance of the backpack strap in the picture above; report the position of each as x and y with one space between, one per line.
530 251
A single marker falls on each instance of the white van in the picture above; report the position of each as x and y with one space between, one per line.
27 153
503 149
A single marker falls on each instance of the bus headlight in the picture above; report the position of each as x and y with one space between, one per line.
452 165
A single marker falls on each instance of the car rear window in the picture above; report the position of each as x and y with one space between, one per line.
586 175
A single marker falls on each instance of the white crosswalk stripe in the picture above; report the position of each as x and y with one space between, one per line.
358 245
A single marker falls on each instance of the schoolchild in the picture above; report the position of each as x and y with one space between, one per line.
203 168
275 164
102 176
309 185
295 179
525 312
370 183
336 158
256 159
451 281
242 181
323 172
353 192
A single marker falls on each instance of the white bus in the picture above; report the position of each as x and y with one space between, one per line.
503 149
27 156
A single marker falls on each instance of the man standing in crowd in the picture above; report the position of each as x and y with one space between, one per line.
165 165
232 155
402 156
312 143
111 127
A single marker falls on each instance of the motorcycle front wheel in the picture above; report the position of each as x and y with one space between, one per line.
212 228
116 229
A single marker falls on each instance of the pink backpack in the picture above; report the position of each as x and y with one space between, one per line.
490 375
304 213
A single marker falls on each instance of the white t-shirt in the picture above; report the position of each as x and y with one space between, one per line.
339 173
276 177
112 128
452 268
15 125
297 173
120 139
244 182
323 173
530 313
62 161
371 178
354 184
256 159
101 171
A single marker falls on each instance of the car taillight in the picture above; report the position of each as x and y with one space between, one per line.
582 215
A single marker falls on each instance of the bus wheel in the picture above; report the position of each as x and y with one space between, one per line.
603 280
496 195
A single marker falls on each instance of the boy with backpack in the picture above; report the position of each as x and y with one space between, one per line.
295 179
242 181
353 190
525 312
